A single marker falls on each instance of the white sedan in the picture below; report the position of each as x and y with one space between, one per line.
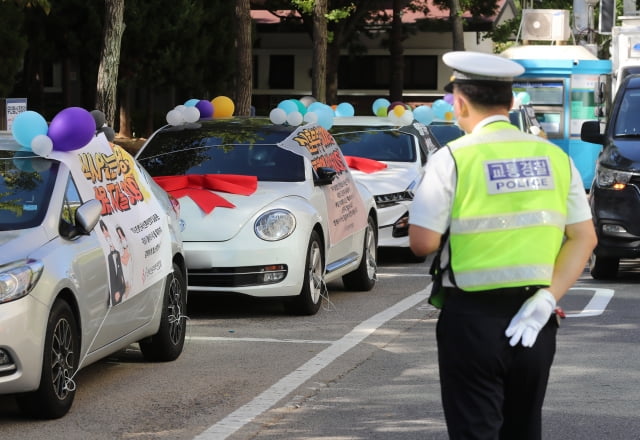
73 292
389 160
269 210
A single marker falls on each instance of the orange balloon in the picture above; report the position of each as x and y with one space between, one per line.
223 107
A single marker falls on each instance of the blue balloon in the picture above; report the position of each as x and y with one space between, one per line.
27 125
440 108
325 116
191 102
345 109
288 106
423 114
380 102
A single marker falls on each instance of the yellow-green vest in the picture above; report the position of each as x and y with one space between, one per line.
509 210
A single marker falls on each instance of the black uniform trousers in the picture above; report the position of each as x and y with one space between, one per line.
491 390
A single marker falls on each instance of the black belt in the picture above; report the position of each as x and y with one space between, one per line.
505 301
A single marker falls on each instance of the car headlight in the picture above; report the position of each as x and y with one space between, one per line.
390 199
614 179
17 279
275 225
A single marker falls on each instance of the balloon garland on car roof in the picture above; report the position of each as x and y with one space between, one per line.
195 109
70 129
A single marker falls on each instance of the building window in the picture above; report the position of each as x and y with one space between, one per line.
373 72
281 72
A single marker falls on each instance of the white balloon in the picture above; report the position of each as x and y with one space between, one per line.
191 114
407 117
174 117
311 117
294 118
42 145
278 116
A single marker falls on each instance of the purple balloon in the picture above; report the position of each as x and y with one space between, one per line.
205 107
72 128
448 98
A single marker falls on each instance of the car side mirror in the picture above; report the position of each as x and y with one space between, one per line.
590 132
86 218
324 176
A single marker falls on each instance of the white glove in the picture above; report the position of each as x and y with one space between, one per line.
531 317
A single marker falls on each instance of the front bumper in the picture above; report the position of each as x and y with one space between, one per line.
22 333
615 218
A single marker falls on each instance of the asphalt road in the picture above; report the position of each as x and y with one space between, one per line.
363 368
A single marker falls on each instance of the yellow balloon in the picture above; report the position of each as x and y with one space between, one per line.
448 116
399 110
223 107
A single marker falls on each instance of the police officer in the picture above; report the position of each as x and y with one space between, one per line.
509 214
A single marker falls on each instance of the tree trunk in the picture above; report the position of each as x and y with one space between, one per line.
396 51
125 129
333 60
110 59
457 25
244 82
320 38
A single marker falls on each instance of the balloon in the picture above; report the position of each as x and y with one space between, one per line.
27 125
378 103
191 102
99 117
382 111
206 108
72 128
190 114
406 118
345 109
294 118
325 117
448 116
395 104
174 117
440 107
398 110
109 133
288 106
42 145
423 114
278 116
301 107
310 117
448 98
314 106
223 107
307 100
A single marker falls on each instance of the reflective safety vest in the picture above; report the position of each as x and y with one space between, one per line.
509 210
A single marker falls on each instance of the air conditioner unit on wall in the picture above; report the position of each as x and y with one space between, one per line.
545 24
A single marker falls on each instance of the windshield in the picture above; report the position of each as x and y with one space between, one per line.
388 145
26 185
628 122
174 153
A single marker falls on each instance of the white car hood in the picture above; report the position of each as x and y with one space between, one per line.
395 178
222 223
16 245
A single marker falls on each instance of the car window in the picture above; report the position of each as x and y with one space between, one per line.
627 122
26 185
392 146
71 202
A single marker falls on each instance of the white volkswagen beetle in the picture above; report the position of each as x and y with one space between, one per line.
269 210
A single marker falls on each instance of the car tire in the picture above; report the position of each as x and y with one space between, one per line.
167 344
57 390
364 277
603 268
310 297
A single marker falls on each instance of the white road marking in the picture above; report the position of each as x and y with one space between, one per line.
245 414
294 341
596 305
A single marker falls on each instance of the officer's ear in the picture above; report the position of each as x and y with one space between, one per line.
460 105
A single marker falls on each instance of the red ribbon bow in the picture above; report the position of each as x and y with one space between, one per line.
199 186
364 164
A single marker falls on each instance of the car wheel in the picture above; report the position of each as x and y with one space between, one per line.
167 344
364 277
57 390
603 268
310 297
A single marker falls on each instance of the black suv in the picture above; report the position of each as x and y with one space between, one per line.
615 193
